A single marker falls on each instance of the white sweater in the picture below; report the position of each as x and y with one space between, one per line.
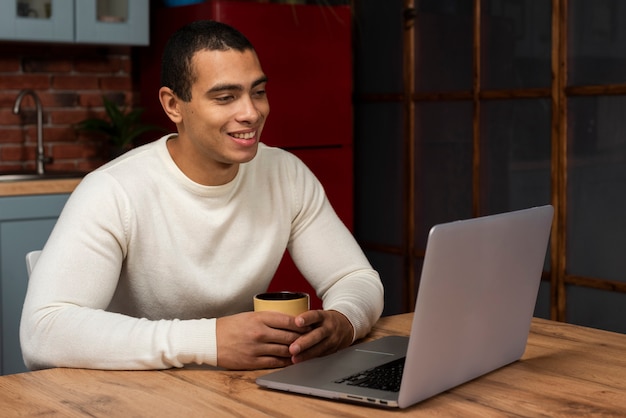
142 260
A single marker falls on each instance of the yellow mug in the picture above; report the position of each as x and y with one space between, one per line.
290 303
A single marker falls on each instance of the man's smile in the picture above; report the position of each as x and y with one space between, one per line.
244 135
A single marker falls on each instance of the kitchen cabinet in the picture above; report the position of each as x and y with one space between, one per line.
37 21
113 22
306 52
122 22
25 224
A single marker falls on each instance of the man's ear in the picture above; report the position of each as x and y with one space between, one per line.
170 103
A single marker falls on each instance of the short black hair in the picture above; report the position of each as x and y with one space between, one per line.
176 70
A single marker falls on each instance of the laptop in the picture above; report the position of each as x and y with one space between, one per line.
476 299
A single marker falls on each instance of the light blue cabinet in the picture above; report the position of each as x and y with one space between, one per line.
25 224
123 22
113 22
51 21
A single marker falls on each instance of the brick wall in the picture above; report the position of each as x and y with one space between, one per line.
70 81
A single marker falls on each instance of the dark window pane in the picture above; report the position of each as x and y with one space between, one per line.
378 47
443 164
596 180
516 43
379 173
443 45
597 42
516 152
596 308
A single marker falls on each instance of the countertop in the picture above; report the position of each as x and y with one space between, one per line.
35 187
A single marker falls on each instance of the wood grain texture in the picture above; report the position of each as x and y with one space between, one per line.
567 370
35 187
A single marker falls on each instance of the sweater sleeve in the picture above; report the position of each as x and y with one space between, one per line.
64 319
330 258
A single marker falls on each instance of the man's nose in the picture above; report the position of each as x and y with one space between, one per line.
248 111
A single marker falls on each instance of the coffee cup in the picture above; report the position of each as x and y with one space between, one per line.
290 303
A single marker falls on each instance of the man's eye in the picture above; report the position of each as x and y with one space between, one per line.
224 99
259 93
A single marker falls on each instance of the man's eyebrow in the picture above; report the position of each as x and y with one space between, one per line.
229 87
260 80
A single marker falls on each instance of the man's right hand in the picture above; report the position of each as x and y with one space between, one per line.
255 340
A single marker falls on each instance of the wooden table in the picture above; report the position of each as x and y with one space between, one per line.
567 370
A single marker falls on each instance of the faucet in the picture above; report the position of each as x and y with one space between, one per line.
41 158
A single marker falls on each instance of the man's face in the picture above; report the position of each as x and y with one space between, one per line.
228 107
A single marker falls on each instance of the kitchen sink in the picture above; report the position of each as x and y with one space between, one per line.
29 176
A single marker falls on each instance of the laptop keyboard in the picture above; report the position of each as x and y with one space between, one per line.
384 377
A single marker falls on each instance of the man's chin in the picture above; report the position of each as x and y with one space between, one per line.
248 155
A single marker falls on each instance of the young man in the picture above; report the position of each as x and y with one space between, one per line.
157 255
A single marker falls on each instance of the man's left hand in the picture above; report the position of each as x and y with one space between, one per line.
331 331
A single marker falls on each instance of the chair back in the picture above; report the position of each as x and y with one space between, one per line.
31 260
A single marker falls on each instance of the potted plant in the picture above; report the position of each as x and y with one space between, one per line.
121 127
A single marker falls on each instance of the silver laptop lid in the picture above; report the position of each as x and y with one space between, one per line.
476 299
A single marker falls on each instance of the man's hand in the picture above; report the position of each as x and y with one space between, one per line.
329 331
256 340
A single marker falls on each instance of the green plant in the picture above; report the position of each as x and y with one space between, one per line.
121 127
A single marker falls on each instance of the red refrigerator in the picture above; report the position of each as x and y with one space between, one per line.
306 52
